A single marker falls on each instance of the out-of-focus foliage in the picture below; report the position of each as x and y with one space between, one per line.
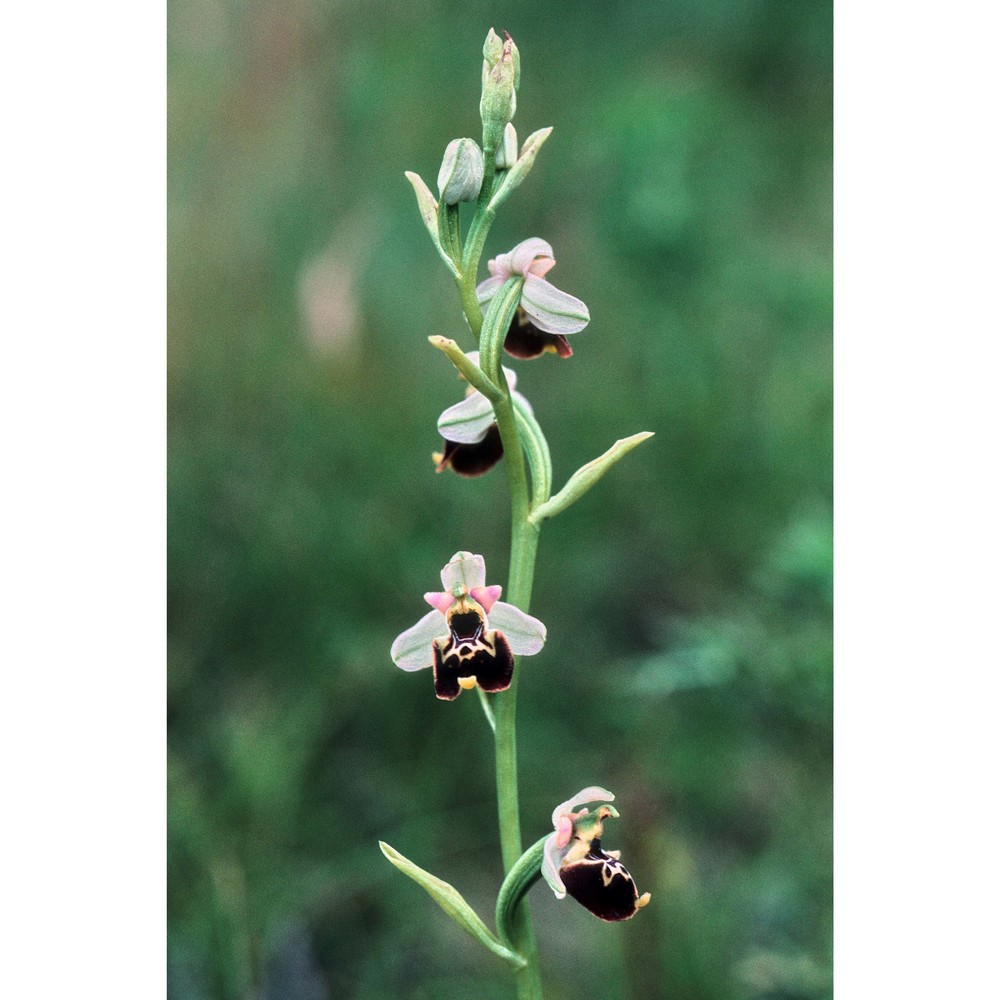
686 190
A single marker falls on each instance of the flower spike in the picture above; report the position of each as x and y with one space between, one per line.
471 637
575 863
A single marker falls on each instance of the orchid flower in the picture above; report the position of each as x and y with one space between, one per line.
471 636
574 861
472 444
545 314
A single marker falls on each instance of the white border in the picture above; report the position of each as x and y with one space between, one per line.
916 499
83 423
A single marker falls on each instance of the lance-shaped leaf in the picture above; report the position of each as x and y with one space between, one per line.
428 206
451 901
586 476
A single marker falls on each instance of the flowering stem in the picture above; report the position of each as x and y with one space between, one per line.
475 240
524 546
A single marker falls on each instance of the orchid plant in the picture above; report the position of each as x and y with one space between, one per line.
470 638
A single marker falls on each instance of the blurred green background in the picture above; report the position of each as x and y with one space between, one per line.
686 190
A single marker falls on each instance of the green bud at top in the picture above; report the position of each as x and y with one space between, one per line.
507 150
493 51
501 76
461 173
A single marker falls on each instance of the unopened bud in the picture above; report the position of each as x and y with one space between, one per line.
501 75
461 173
507 150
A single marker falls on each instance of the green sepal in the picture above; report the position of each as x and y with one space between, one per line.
586 476
512 178
451 901
526 871
428 206
473 374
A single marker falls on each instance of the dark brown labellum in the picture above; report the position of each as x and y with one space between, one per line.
524 340
602 884
472 459
471 651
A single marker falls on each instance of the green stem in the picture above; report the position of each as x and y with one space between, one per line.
523 549
472 252
490 332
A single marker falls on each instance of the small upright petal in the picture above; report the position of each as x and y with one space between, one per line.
523 255
486 596
441 600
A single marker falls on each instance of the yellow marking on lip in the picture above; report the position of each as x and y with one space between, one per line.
467 683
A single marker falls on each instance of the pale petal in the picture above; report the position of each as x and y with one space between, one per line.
485 290
413 649
592 793
523 400
522 256
525 634
464 570
552 310
468 421
552 857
